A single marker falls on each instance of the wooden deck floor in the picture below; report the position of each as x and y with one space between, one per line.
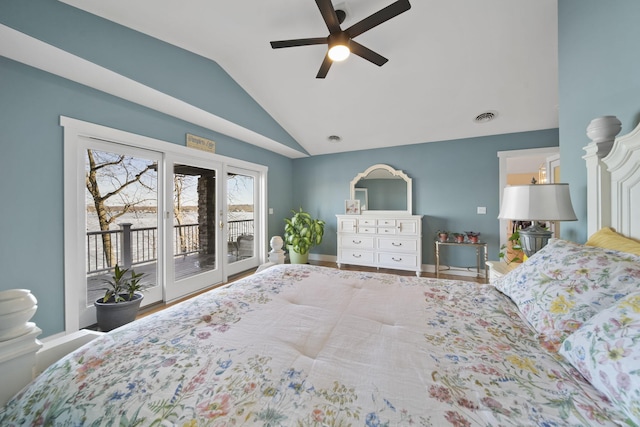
185 266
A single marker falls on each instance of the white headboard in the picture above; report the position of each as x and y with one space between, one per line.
613 178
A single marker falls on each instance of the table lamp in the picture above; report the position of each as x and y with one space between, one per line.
541 202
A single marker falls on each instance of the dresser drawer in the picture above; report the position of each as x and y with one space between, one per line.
352 256
386 222
386 231
364 222
398 260
367 230
357 242
397 244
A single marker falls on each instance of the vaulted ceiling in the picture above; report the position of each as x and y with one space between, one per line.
449 62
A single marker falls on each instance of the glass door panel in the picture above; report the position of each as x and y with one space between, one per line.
195 231
241 220
121 220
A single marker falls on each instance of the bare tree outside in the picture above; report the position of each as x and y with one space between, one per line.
239 193
117 184
184 201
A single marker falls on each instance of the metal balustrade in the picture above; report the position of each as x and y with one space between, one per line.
135 246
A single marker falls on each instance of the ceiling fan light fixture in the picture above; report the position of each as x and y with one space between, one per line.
339 47
339 52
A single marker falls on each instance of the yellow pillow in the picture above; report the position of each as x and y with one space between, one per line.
608 238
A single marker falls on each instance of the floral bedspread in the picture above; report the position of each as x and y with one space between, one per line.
299 345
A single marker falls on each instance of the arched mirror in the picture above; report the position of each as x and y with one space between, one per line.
382 189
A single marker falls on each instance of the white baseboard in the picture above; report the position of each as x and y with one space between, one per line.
426 268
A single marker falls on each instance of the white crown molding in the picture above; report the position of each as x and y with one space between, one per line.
36 53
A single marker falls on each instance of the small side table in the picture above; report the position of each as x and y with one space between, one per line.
497 269
478 246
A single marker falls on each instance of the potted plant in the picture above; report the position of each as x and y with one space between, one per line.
513 248
472 236
443 235
459 237
121 301
301 232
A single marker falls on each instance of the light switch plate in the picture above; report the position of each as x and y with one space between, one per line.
482 210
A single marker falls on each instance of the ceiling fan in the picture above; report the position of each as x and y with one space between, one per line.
340 41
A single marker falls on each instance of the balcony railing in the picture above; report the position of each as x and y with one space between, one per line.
134 246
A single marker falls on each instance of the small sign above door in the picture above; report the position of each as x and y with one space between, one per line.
201 143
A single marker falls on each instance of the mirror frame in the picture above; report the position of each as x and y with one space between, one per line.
394 172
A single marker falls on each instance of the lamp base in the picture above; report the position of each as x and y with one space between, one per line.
534 238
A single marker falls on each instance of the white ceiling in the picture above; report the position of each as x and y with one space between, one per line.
449 60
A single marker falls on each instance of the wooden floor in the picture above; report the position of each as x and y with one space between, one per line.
161 306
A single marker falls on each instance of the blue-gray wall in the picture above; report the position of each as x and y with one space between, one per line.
450 180
599 75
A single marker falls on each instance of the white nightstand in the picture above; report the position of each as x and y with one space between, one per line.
497 269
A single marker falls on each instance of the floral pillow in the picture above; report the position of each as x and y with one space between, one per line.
565 284
606 351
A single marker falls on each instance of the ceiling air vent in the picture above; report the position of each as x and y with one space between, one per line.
485 117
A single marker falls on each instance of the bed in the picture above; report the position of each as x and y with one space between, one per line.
554 342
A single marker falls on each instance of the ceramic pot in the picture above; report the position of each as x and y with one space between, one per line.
296 258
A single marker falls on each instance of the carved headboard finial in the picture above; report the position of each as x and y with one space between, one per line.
602 131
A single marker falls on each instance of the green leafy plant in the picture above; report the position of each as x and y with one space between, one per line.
302 232
514 239
120 285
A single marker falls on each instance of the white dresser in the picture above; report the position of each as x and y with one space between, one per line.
381 240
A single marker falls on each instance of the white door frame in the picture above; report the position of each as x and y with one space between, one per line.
175 290
259 224
504 157
74 131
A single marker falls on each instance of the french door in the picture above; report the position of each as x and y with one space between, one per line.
243 225
193 227
118 220
158 208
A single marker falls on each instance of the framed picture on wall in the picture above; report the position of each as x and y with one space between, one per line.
352 207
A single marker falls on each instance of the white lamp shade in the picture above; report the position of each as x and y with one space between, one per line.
541 202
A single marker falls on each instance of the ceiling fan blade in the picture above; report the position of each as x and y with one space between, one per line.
298 42
378 18
367 54
329 15
324 68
